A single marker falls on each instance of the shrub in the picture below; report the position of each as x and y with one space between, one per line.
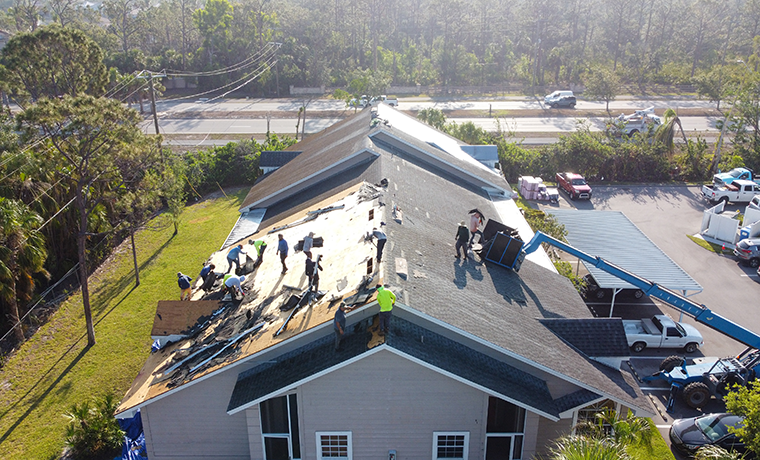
93 432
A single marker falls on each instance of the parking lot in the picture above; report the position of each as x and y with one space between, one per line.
666 215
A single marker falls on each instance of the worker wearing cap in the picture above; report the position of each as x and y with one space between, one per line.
233 284
339 325
386 299
260 246
184 284
233 257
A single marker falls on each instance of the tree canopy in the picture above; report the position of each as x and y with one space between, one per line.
52 62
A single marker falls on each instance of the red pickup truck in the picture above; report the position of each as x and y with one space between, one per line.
574 185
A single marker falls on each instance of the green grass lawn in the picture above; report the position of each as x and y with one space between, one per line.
54 369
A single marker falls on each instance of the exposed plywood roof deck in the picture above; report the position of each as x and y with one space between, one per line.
177 317
244 329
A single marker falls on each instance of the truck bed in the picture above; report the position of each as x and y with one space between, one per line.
644 326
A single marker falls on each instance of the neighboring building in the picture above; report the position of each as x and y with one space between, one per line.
481 362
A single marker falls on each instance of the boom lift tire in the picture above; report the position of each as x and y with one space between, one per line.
671 362
696 395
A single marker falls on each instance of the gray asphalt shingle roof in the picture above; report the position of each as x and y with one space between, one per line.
595 337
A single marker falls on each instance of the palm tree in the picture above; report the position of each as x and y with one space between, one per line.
606 437
22 254
716 453
587 448
666 132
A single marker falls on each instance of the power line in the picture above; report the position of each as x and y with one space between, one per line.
240 65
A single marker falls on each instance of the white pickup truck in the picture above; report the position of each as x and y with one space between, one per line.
661 332
366 101
739 191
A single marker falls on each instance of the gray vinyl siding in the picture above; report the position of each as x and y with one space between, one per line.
194 424
255 444
532 421
390 403
549 431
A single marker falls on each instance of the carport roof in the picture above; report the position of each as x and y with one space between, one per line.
613 237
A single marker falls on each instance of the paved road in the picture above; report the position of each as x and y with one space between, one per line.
314 125
418 103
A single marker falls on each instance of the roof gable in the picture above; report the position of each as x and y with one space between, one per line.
408 339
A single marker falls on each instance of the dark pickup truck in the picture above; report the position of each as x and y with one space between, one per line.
574 185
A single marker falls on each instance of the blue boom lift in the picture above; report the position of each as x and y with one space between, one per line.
705 378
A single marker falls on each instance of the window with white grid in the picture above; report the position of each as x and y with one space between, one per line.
334 444
451 445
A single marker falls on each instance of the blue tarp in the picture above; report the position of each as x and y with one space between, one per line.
134 438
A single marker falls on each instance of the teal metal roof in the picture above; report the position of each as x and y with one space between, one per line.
613 237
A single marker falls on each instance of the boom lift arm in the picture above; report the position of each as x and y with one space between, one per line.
699 312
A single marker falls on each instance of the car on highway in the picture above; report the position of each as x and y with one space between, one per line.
748 251
560 99
592 290
688 435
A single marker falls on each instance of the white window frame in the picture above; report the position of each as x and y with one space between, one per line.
347 434
288 435
437 434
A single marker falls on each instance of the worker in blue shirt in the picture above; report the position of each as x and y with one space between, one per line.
339 325
233 257
282 250
185 287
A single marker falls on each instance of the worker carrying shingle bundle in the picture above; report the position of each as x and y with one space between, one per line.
386 299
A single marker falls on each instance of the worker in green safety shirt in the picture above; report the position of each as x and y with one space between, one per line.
260 247
386 299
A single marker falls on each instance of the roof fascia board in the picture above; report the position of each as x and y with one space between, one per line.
476 180
470 383
361 313
503 351
347 162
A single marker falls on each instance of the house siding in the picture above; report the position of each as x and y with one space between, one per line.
390 403
255 444
194 424
547 431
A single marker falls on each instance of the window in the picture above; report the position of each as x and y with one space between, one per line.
504 430
334 445
279 428
451 444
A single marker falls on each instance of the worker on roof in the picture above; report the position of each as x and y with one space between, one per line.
339 325
308 243
233 284
386 299
312 271
476 220
381 238
260 246
184 285
233 257
462 236
208 276
282 250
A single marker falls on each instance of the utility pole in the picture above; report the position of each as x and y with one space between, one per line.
150 76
